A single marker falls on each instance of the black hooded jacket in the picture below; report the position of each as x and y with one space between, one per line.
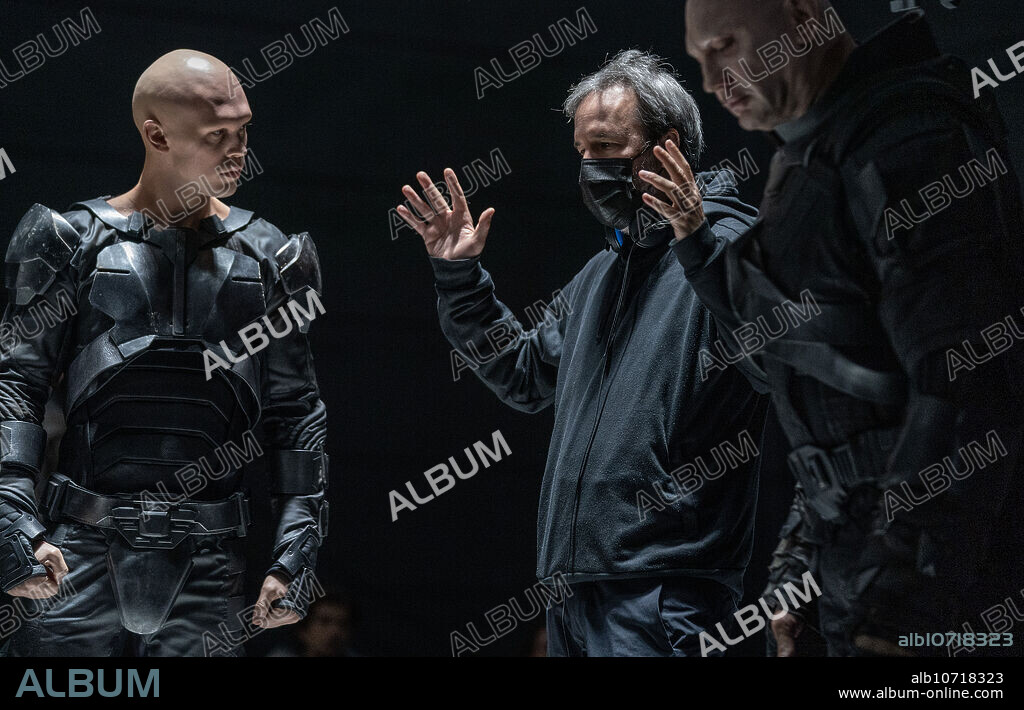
619 362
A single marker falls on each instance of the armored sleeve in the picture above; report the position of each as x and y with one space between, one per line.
295 422
42 292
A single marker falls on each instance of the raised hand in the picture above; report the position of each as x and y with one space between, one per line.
448 233
685 209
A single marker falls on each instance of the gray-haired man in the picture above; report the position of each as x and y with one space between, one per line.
641 514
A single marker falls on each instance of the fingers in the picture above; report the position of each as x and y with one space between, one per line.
660 206
264 614
675 171
680 172
682 187
421 207
434 195
281 617
662 183
669 210
458 196
54 562
420 214
259 613
454 225
672 158
419 219
35 588
412 220
268 593
483 225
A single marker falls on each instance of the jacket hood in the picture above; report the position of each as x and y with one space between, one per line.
722 196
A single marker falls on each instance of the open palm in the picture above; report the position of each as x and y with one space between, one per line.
447 232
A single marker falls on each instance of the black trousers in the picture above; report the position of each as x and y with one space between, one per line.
649 616
84 620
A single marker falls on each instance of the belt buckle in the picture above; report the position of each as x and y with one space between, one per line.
244 518
55 497
145 528
811 464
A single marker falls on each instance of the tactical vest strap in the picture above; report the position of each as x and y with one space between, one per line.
826 364
840 323
821 360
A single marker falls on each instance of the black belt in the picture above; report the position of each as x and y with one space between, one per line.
826 474
145 523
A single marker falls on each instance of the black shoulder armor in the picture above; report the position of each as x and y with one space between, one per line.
298 264
42 245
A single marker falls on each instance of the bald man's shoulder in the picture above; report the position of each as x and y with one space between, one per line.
278 250
264 236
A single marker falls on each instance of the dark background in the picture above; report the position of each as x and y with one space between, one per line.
337 134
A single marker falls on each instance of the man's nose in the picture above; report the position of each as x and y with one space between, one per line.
712 73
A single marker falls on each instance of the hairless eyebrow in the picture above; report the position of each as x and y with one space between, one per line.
243 119
701 47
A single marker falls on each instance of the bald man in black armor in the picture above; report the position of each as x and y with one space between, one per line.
893 209
135 545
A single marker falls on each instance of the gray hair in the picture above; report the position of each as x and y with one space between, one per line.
662 101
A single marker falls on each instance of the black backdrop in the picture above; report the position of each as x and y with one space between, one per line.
336 135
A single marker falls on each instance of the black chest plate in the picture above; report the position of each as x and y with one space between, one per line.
140 408
171 288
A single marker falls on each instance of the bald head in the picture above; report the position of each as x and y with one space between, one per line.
192 114
184 81
725 10
766 60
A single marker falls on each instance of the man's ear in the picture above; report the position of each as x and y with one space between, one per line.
154 135
670 135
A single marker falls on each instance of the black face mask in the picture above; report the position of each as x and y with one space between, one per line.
607 188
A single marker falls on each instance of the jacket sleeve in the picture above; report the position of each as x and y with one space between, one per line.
703 257
295 423
519 365
949 300
42 292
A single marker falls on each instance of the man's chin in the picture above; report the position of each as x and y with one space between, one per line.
750 112
227 191
751 122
